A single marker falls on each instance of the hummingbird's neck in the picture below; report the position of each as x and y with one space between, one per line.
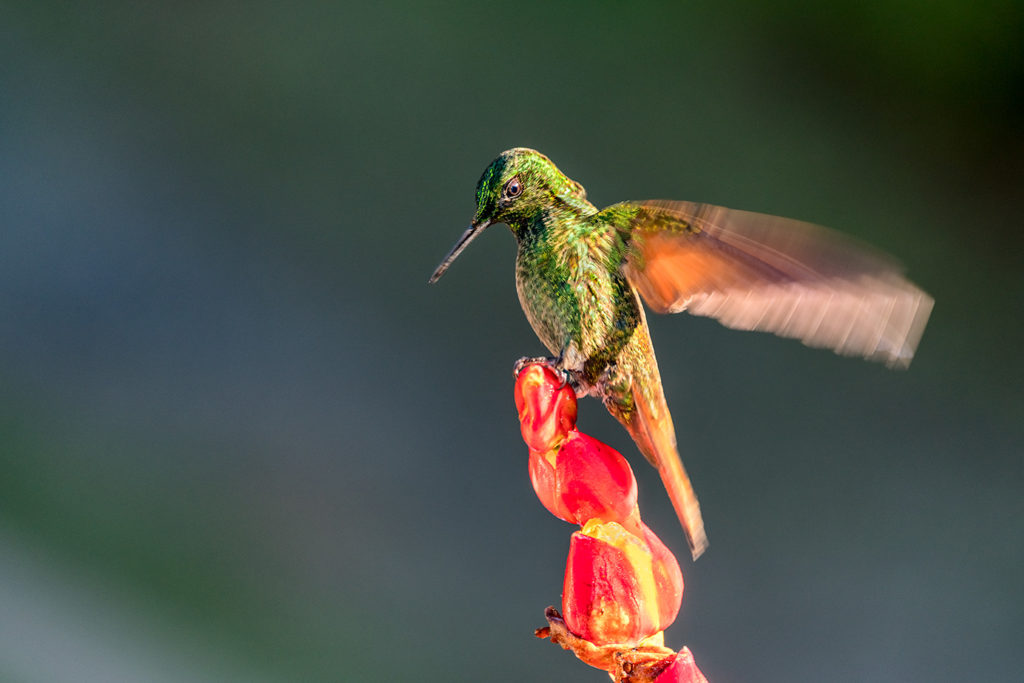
560 213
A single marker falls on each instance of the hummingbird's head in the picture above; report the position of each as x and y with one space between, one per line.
518 186
520 183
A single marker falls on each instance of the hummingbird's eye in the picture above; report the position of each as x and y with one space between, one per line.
513 188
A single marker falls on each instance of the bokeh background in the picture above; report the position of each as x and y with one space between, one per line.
242 440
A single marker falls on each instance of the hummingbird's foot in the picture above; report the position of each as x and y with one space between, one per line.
569 377
546 361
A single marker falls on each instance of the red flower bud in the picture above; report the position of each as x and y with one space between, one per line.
617 588
680 669
547 408
583 480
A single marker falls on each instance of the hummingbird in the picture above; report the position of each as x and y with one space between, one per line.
581 273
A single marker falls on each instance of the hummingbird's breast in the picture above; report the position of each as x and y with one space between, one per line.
574 295
547 300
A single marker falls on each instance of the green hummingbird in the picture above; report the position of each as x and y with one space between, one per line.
580 274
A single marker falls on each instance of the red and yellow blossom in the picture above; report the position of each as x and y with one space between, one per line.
616 589
622 586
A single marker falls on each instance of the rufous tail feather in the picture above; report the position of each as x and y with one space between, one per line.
657 441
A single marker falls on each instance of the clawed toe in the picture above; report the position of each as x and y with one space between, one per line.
569 378
551 363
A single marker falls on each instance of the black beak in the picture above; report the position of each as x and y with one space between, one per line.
471 232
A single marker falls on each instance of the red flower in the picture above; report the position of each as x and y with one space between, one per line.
618 589
622 585
547 407
583 480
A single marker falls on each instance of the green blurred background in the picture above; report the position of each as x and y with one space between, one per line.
242 440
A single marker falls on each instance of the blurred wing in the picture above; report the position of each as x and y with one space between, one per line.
751 271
